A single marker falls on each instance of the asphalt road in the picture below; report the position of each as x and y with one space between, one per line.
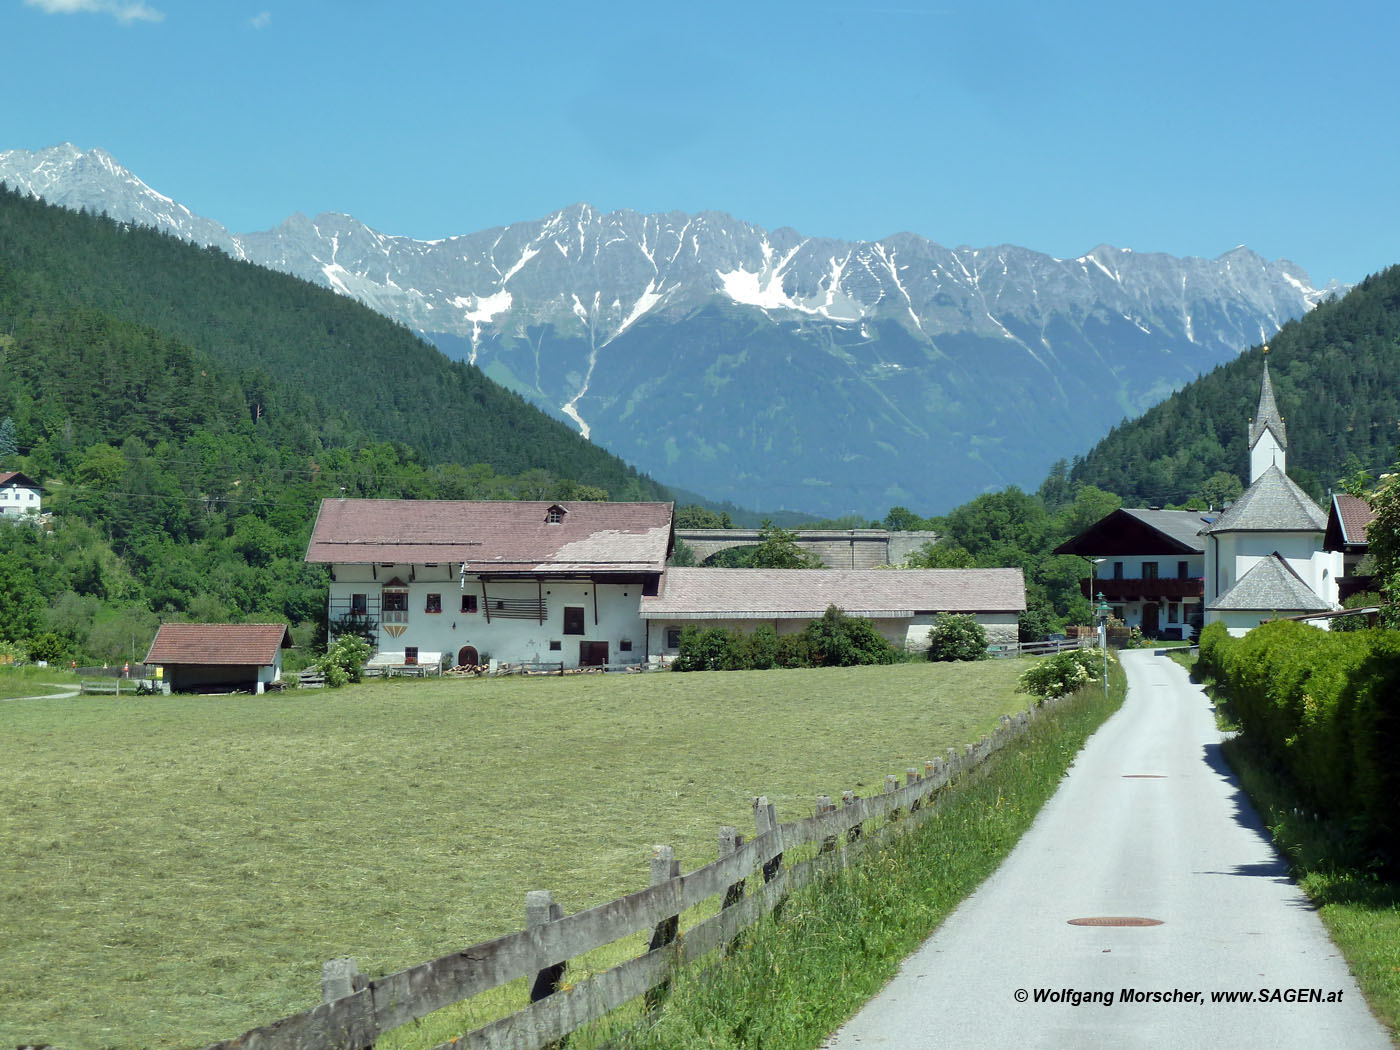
1149 824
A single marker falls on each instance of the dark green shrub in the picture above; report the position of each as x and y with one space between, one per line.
760 648
838 640
795 650
1326 706
710 649
956 636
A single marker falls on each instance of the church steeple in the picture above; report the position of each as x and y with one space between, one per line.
1268 440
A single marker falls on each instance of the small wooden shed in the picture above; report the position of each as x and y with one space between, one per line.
197 656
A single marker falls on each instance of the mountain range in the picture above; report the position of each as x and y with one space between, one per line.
764 367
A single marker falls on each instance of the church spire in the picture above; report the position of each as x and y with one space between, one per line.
1268 440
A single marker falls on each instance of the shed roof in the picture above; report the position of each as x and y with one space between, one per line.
738 594
1274 503
495 535
1270 586
225 644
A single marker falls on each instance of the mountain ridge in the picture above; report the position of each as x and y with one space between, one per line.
581 310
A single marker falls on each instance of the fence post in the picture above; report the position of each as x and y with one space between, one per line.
911 776
824 806
765 819
951 761
664 868
891 786
540 909
339 979
729 842
848 798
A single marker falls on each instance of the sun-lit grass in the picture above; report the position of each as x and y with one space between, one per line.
33 681
175 870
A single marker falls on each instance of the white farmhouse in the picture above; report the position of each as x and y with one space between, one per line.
518 581
586 584
19 494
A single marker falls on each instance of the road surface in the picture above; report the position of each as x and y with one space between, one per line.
1150 824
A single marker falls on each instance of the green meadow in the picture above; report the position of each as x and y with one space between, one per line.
175 870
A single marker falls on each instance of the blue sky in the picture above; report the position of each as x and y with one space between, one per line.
1185 128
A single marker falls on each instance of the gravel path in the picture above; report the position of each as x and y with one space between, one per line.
1149 824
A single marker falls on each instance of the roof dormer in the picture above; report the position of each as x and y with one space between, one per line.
555 515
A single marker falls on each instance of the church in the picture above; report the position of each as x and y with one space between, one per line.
1265 555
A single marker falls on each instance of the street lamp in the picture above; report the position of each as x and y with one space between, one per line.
1101 612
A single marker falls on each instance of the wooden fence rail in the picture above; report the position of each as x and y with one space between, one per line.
357 1010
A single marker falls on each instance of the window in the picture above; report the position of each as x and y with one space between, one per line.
573 619
1118 570
1149 570
673 637
625 645
396 601
1173 612
469 603
1182 570
555 645
410 654
434 603
359 604
554 515
1118 612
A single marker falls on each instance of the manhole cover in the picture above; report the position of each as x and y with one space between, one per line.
1115 920
1144 776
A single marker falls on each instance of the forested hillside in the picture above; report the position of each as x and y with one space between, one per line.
186 412
1336 374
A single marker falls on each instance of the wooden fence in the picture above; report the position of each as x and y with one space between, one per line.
357 1010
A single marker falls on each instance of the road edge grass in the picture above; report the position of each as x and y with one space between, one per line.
1357 899
799 974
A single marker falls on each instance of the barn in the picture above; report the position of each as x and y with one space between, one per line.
212 656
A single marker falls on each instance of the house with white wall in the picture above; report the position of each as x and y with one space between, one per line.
1266 554
19 495
1149 565
517 581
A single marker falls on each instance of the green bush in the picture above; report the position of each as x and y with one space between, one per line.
345 661
1324 705
1062 673
836 640
956 636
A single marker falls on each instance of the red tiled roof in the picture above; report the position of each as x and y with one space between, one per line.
1354 514
240 644
494 535
703 594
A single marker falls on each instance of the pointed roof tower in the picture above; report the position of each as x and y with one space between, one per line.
1267 416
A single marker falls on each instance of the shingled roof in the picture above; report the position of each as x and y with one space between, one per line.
1270 586
1274 503
758 594
494 535
1267 416
225 644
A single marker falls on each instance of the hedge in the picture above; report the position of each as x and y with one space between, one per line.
1326 705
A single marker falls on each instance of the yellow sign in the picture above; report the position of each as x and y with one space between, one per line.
160 672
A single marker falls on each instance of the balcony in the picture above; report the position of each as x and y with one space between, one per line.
1172 590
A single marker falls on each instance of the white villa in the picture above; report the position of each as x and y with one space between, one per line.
586 584
19 494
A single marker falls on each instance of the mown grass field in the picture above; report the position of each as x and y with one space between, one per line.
175 870
34 681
